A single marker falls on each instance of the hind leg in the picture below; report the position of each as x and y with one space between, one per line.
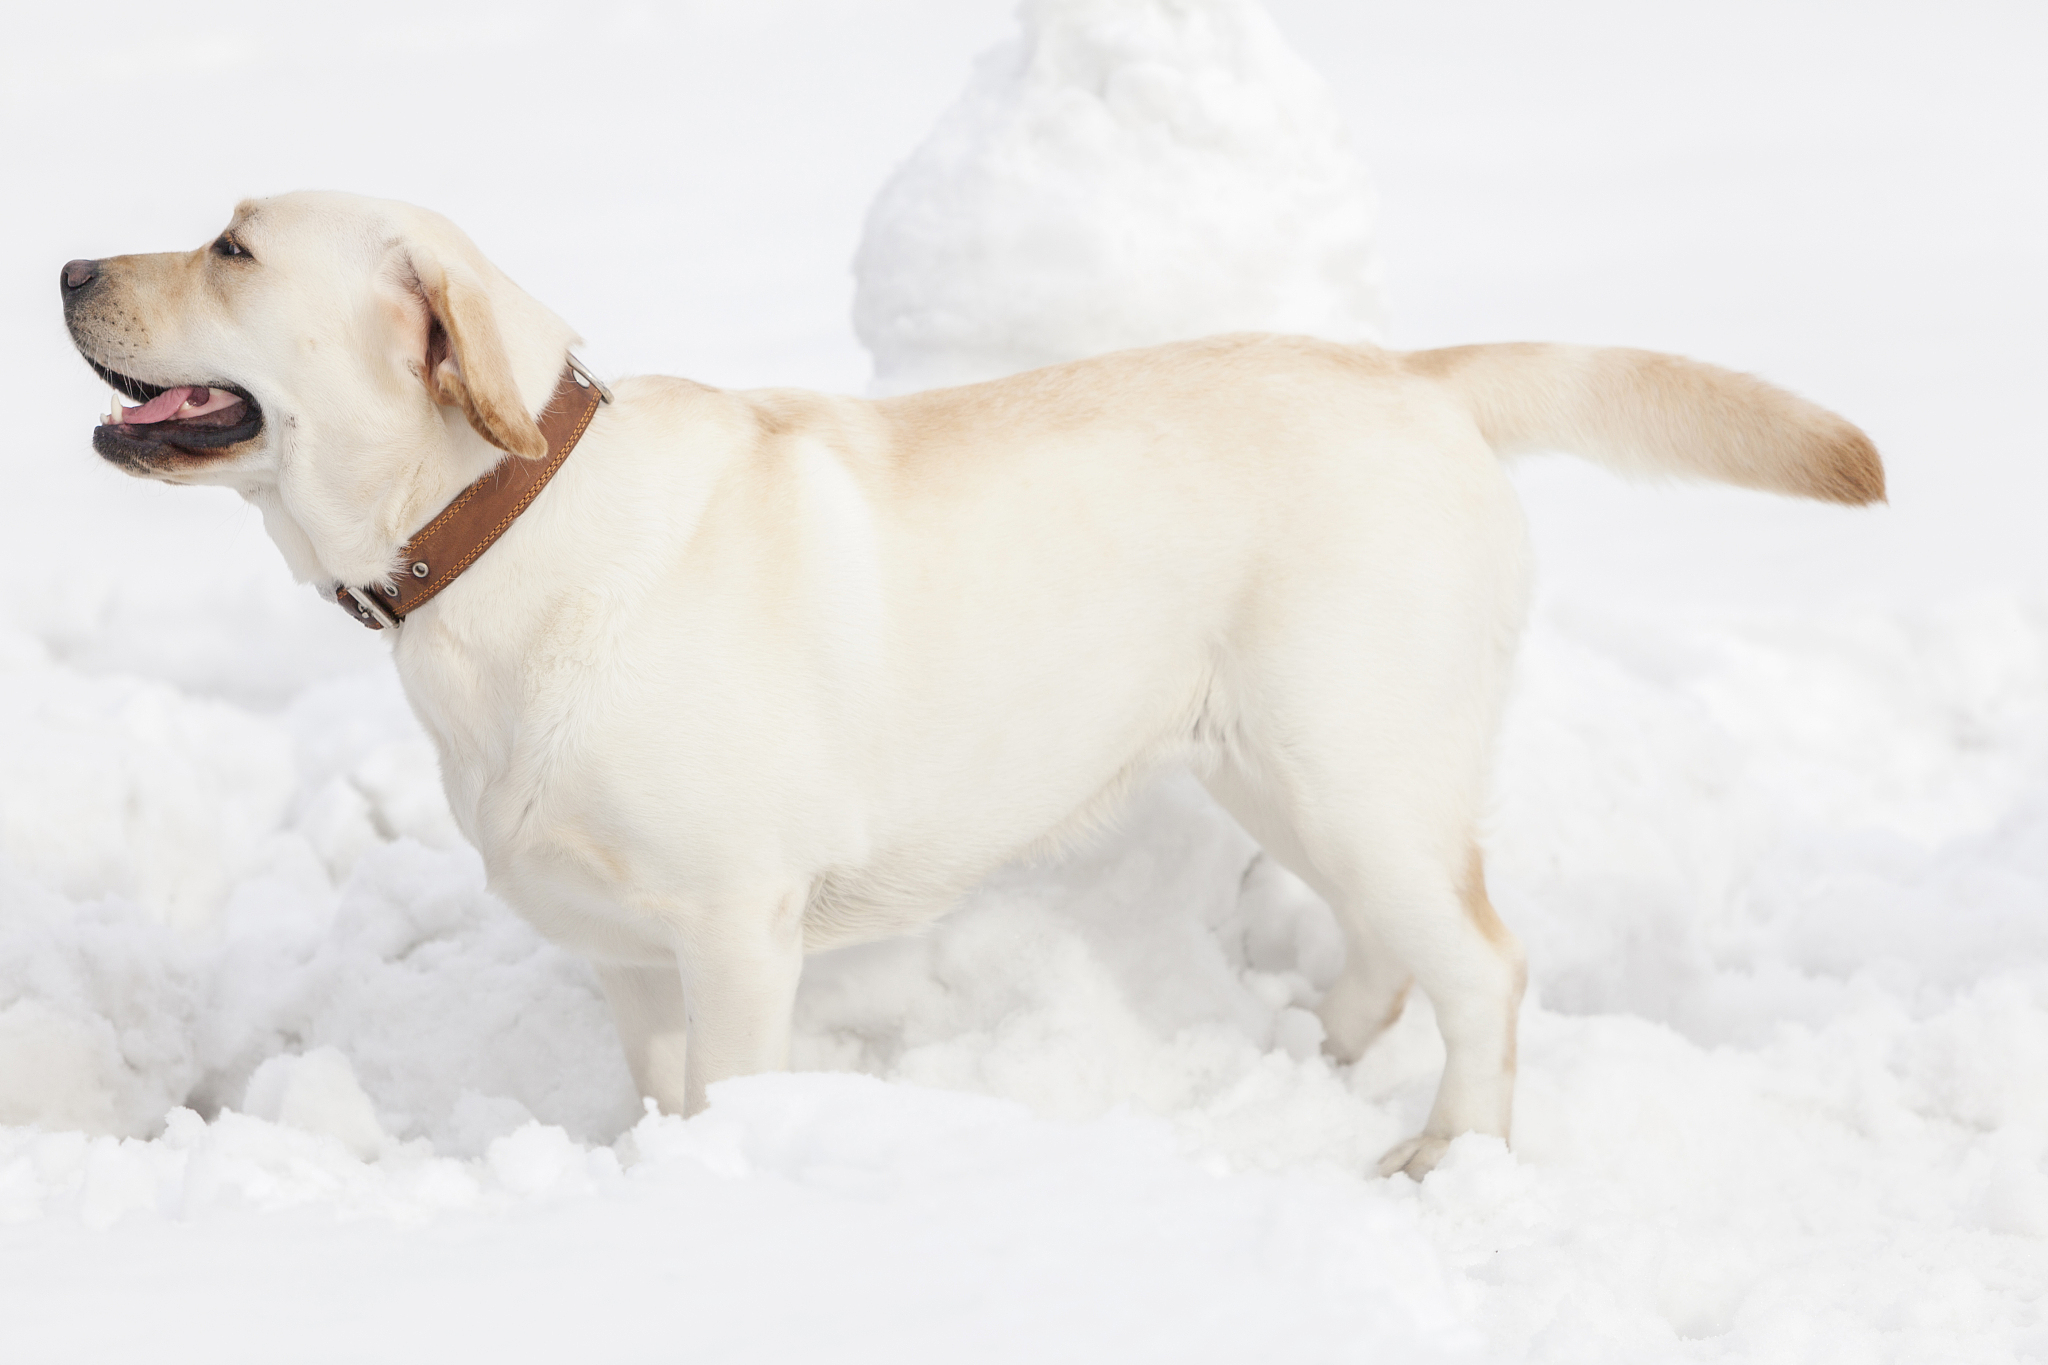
1472 970
1367 996
1412 903
1416 909
1371 988
1356 709
1407 910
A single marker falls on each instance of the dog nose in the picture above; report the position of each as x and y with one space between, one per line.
78 274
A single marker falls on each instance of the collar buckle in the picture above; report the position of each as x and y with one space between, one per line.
369 609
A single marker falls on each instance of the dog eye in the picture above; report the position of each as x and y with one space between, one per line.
224 245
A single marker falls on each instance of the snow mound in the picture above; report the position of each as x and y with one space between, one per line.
1122 173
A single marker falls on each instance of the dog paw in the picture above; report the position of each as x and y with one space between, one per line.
1416 1157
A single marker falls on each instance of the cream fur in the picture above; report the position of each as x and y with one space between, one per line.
768 672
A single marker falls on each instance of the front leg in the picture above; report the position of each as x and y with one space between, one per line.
647 1005
740 962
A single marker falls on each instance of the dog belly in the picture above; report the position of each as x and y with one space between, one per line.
862 906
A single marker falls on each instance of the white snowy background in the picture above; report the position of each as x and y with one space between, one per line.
279 1080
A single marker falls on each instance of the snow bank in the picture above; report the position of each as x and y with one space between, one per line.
1785 1064
1121 173
195 892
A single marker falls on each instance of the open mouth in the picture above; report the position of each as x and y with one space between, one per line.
193 420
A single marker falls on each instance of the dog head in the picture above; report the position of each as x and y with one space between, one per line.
344 363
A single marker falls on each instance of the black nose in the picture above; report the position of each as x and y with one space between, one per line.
78 274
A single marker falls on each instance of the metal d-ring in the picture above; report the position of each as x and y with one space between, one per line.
588 380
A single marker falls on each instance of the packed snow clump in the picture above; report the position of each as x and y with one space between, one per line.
1121 173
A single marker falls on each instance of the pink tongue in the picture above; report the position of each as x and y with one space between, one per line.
157 408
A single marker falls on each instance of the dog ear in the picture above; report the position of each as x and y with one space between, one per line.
464 362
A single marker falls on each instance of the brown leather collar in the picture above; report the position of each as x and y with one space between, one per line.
482 512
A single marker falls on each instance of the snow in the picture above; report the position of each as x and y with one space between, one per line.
1118 174
281 1080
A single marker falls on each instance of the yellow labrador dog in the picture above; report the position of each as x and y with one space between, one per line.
763 673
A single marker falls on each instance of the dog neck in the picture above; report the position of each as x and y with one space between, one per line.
345 521
472 521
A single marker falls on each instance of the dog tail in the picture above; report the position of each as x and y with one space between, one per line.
1645 414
